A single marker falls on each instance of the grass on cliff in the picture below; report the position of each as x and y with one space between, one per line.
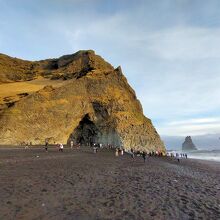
11 90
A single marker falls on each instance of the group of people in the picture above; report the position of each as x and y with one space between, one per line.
156 154
59 146
95 146
76 146
138 153
177 155
119 151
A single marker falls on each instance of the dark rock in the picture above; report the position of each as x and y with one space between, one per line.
188 144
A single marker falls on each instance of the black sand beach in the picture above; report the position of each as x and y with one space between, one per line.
78 184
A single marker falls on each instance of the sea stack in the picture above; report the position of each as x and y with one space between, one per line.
78 97
188 144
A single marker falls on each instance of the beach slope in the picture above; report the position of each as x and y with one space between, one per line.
78 184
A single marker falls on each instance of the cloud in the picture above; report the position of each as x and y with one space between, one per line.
195 121
186 43
195 126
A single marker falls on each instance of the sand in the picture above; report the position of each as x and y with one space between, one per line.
11 90
78 184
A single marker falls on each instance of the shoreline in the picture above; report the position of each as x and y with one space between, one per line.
66 147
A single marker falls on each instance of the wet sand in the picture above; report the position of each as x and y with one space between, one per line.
78 184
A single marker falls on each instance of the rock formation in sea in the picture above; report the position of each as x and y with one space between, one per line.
77 97
188 144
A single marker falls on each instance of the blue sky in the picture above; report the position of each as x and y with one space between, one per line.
169 50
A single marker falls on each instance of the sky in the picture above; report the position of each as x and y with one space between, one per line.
169 50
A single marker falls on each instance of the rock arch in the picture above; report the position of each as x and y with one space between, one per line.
89 132
86 133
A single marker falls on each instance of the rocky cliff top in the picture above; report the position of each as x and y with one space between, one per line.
66 67
77 97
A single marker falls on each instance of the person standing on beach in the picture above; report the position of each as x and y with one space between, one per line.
79 145
177 156
94 148
61 147
46 146
144 156
122 151
132 153
26 146
71 144
116 152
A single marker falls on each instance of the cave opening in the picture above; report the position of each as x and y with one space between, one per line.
86 133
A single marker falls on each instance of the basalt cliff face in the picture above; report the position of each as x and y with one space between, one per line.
188 144
77 97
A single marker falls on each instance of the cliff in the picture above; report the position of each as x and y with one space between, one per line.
77 97
188 144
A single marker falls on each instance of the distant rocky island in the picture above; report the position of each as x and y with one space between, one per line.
188 144
78 97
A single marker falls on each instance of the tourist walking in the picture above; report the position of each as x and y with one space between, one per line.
132 153
26 146
46 146
144 156
78 146
94 149
71 144
122 152
177 156
61 147
116 152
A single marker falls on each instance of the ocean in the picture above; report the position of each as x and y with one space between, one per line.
212 155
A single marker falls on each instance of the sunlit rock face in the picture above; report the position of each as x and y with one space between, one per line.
188 144
79 97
